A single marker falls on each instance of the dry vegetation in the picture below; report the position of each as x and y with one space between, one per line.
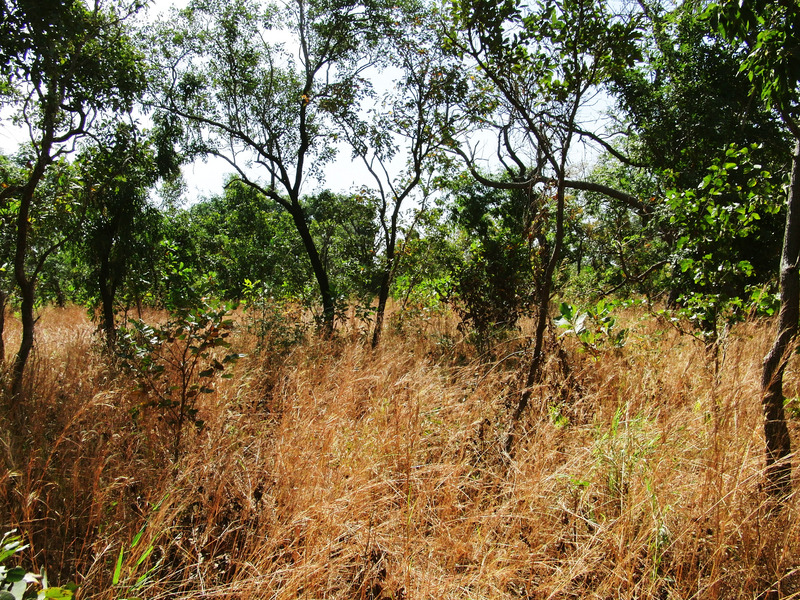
333 471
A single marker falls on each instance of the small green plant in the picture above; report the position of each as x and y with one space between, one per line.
17 583
622 452
126 578
557 416
792 408
596 328
268 319
176 362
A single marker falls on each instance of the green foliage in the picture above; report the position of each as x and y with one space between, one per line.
269 319
345 229
56 214
241 235
495 281
718 222
699 101
424 275
595 328
176 362
792 408
769 30
687 103
120 225
242 94
15 581
612 246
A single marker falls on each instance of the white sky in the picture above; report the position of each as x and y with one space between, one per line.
205 178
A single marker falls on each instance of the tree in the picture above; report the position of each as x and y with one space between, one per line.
536 67
717 223
413 118
8 174
64 65
225 71
770 40
241 235
347 234
121 226
682 109
503 243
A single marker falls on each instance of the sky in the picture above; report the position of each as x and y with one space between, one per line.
205 177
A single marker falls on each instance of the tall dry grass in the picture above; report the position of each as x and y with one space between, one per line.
335 471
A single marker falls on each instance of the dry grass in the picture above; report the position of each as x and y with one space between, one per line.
339 472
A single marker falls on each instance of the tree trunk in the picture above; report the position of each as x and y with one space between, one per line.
383 297
3 304
25 284
320 273
386 278
107 293
26 292
535 370
776 432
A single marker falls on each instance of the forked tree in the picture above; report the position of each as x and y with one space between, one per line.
65 65
257 83
768 33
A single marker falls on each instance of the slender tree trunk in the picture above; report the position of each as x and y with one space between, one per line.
107 289
3 304
109 325
25 284
321 274
542 319
776 432
26 292
383 297
386 280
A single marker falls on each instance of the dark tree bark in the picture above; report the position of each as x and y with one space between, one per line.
108 289
26 282
390 234
3 304
776 432
317 265
383 296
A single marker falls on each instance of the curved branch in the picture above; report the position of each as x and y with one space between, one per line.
610 149
630 200
634 279
587 186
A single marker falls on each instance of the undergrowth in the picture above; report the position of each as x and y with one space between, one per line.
329 470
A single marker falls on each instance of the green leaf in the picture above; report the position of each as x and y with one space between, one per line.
56 593
15 574
118 567
144 555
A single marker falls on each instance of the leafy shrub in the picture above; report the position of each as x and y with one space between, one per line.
16 581
595 328
176 362
269 320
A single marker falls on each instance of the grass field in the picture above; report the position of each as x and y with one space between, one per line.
330 470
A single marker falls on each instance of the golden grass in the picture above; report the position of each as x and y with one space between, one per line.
340 472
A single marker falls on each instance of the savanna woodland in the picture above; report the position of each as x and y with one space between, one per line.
542 342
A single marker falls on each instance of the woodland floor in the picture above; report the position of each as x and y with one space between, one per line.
329 470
